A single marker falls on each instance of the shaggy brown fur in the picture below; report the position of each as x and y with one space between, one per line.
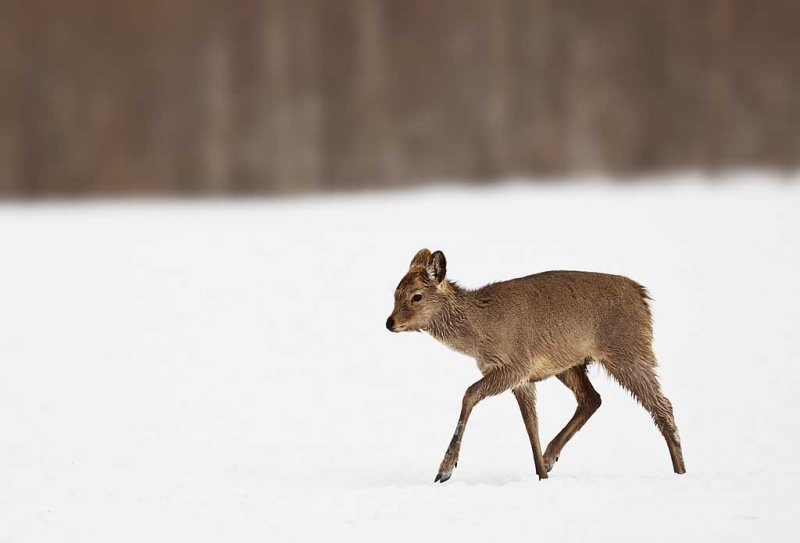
528 329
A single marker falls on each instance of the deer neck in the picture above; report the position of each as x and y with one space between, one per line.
452 325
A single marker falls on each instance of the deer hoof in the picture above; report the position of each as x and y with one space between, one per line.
549 465
443 477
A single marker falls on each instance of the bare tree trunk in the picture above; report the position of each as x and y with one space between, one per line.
246 96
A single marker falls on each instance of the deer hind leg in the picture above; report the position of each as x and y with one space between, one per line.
638 376
588 399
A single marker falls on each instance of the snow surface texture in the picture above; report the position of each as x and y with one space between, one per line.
221 371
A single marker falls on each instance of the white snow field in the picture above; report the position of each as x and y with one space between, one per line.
220 371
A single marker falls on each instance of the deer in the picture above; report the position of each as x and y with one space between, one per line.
525 330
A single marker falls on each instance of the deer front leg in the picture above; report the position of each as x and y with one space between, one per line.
493 383
526 397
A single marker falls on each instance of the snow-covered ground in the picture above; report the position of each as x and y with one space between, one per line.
216 371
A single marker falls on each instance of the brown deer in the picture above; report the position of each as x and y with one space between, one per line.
528 329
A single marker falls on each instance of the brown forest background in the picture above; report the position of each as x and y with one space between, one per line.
246 96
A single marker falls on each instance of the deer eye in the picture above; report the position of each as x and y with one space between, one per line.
416 297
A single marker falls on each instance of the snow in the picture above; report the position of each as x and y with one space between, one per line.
220 371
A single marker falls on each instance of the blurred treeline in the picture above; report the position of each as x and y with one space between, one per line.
246 96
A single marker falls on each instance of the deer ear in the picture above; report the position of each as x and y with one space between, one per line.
421 258
437 267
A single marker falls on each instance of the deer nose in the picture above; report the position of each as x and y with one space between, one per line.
389 323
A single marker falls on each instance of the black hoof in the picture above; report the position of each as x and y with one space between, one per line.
442 477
